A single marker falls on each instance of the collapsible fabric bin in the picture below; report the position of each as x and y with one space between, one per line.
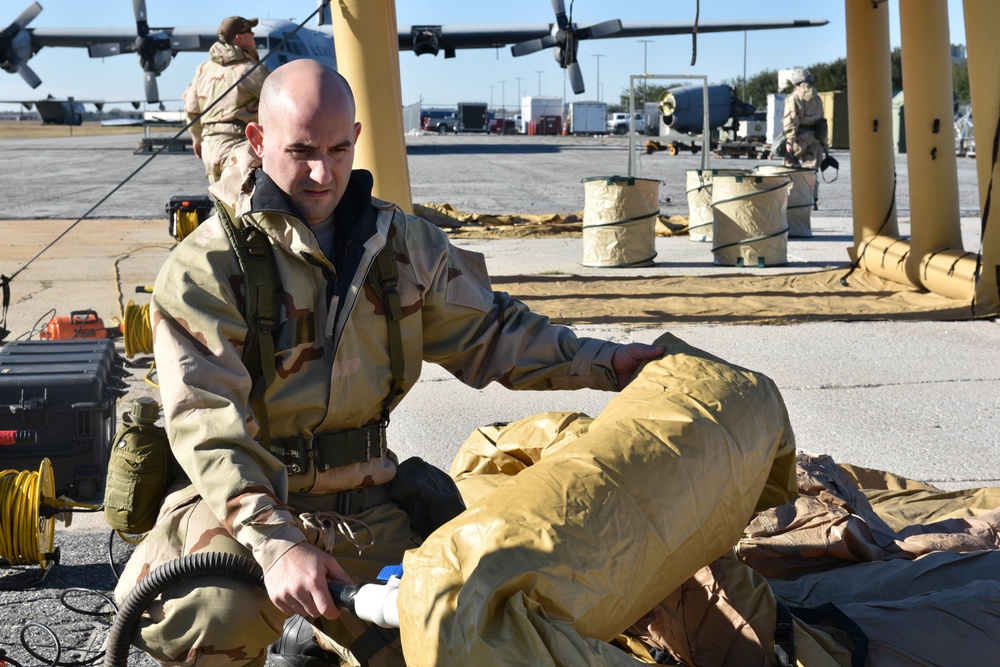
699 196
800 196
619 219
750 226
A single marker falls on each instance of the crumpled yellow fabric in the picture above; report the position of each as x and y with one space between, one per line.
556 561
460 224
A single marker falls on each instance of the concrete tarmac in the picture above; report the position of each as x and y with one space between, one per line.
917 398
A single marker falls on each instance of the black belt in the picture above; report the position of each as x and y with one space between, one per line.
358 500
331 450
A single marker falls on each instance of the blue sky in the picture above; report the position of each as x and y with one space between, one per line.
480 74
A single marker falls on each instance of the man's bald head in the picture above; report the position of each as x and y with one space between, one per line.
306 86
305 136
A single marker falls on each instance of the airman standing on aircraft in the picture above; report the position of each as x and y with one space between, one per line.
804 124
223 126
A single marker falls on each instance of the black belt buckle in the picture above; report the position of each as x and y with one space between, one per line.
292 452
350 502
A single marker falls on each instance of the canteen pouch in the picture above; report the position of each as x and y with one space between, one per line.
140 470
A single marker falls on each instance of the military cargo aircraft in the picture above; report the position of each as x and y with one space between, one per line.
155 46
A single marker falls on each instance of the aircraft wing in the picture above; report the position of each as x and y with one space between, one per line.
99 104
102 42
452 37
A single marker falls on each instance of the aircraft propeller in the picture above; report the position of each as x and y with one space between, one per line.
15 46
155 49
567 35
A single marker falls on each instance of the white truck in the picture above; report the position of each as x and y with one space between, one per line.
618 122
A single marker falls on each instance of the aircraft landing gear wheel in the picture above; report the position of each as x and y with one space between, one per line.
672 149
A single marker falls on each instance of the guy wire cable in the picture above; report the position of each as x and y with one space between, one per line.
861 251
5 280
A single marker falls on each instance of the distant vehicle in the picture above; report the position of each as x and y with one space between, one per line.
441 121
618 123
472 117
536 107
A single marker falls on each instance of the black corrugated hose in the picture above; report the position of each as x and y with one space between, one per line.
162 578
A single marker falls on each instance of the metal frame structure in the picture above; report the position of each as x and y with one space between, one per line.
706 139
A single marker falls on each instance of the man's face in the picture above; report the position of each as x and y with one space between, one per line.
309 155
245 39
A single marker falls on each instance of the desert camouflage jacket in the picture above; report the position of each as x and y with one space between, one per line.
225 65
803 108
332 347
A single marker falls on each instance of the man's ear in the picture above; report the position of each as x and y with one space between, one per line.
255 135
357 131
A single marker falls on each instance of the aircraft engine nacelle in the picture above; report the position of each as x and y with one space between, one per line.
154 52
425 40
160 61
683 108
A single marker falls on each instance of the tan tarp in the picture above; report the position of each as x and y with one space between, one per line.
618 221
927 594
802 184
750 222
794 297
562 557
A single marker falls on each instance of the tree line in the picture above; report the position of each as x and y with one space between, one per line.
827 77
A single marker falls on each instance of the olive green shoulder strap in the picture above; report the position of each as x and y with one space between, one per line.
384 279
260 309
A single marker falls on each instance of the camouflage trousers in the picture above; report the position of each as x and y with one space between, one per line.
215 151
808 156
210 621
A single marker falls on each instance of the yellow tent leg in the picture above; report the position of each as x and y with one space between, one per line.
981 20
365 39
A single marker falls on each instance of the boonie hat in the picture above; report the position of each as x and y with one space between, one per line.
233 26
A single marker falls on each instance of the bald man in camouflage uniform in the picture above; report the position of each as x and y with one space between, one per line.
332 518
223 126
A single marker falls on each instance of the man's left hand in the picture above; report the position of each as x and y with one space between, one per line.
627 358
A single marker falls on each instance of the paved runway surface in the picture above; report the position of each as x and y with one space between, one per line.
919 398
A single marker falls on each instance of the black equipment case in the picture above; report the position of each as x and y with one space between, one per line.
201 206
66 392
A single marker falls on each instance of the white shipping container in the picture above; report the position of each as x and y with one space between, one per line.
775 116
588 117
534 107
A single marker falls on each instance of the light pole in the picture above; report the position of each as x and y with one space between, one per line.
744 65
491 97
539 73
645 69
518 90
503 99
598 56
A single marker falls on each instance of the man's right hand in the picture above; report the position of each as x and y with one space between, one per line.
297 582
196 147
